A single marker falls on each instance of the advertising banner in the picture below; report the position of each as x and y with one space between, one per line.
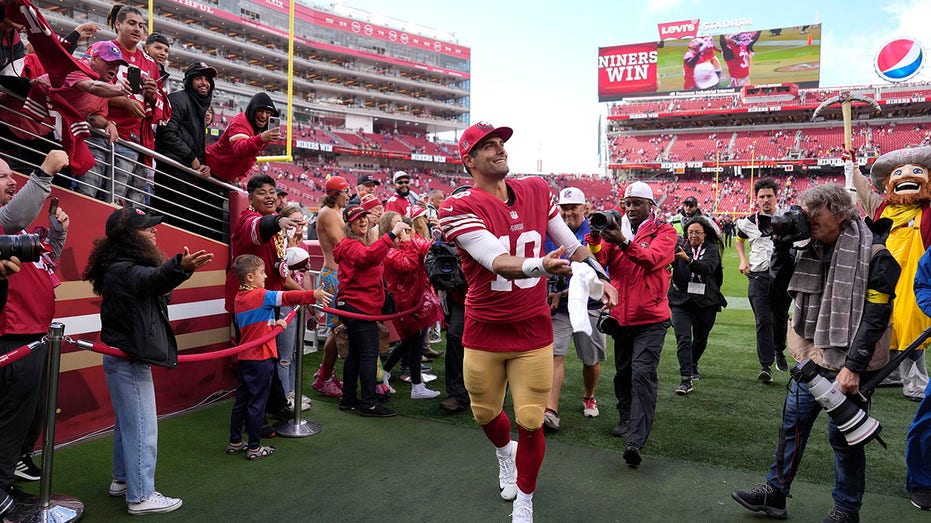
718 63
675 30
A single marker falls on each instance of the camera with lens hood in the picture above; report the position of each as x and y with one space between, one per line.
854 423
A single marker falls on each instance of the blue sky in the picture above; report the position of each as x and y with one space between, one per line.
534 63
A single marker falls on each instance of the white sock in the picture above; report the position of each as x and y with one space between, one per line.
504 451
521 495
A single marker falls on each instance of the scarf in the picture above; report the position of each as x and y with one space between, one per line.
829 311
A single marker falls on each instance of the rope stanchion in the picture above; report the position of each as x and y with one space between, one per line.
383 317
49 507
19 353
103 348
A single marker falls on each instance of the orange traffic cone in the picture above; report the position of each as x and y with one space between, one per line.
809 38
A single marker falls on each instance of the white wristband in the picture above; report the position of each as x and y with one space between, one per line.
533 267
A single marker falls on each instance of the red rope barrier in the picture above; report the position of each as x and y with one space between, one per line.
107 350
18 353
357 316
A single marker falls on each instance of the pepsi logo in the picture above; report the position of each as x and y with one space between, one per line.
899 60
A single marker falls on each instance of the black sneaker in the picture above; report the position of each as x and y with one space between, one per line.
620 430
765 375
19 495
378 411
349 404
6 503
837 515
781 363
921 498
684 388
632 455
267 432
763 498
26 469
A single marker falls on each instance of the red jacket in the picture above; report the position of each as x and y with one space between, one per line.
407 280
231 160
361 273
640 273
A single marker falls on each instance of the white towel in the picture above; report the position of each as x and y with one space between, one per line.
583 285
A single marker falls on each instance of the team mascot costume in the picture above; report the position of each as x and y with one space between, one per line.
903 176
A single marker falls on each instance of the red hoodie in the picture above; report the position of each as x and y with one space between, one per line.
361 273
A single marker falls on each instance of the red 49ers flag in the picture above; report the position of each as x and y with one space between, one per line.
57 61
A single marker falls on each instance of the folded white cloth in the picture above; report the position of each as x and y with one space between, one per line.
583 285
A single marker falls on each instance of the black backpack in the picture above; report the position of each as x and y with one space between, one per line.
442 265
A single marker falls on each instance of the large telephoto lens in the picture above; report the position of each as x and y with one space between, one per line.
26 247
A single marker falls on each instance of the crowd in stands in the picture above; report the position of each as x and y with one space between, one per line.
812 142
811 97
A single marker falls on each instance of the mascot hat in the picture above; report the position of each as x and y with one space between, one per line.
885 164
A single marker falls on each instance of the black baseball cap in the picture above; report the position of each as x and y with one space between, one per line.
136 218
281 192
690 199
367 178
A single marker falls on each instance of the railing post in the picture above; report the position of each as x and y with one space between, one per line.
50 508
295 427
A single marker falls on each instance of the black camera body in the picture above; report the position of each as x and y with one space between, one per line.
602 220
606 323
26 247
792 226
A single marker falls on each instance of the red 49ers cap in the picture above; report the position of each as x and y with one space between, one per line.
478 132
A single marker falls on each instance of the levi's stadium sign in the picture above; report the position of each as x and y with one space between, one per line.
675 30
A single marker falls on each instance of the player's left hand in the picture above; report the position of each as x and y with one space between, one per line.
554 263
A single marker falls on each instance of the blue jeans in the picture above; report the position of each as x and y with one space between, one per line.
918 447
135 432
798 416
287 342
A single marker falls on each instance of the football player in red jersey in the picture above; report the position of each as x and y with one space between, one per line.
737 50
499 226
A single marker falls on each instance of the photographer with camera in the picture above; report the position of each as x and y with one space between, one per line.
589 348
695 295
842 284
28 312
770 308
637 249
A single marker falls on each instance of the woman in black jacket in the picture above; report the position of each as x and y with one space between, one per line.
695 295
132 275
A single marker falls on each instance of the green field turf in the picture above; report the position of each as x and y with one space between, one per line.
427 465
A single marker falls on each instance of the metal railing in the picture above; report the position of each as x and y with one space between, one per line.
188 200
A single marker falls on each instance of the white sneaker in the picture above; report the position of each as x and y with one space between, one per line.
117 488
507 472
590 407
426 377
421 392
156 504
522 511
